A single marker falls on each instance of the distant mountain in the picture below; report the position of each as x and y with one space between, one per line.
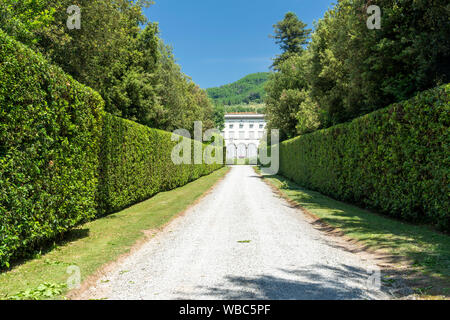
249 89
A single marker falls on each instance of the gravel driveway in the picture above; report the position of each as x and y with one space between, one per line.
241 241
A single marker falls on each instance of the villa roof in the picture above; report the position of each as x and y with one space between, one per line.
242 113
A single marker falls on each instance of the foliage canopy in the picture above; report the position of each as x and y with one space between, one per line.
117 52
349 70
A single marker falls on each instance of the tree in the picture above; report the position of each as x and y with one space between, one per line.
101 54
183 102
352 70
291 35
288 102
135 96
219 117
356 70
116 52
308 115
29 21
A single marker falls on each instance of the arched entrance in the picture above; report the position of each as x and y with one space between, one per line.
242 151
231 151
252 151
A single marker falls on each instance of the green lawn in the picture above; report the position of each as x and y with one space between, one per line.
425 250
99 242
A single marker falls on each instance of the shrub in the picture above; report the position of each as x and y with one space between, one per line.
63 160
136 164
49 132
395 160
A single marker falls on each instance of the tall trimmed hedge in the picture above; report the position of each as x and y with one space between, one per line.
63 160
395 160
136 164
50 127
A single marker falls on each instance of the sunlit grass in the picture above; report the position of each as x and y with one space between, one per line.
427 250
101 241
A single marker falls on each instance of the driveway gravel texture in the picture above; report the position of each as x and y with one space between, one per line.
240 242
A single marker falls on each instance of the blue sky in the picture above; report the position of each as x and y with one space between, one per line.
219 42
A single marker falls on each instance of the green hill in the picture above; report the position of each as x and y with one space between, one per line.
249 89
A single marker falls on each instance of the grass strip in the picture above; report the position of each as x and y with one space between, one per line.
99 242
426 251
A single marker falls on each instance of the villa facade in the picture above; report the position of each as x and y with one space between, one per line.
242 134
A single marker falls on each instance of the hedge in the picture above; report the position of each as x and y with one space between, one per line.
132 153
50 127
395 160
63 160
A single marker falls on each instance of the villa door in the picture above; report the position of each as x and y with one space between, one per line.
242 151
231 151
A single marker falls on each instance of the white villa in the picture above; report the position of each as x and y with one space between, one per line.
242 134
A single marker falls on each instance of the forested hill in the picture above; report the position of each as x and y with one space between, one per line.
249 89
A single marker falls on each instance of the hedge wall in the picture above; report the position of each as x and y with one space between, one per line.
132 154
396 160
49 133
64 161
